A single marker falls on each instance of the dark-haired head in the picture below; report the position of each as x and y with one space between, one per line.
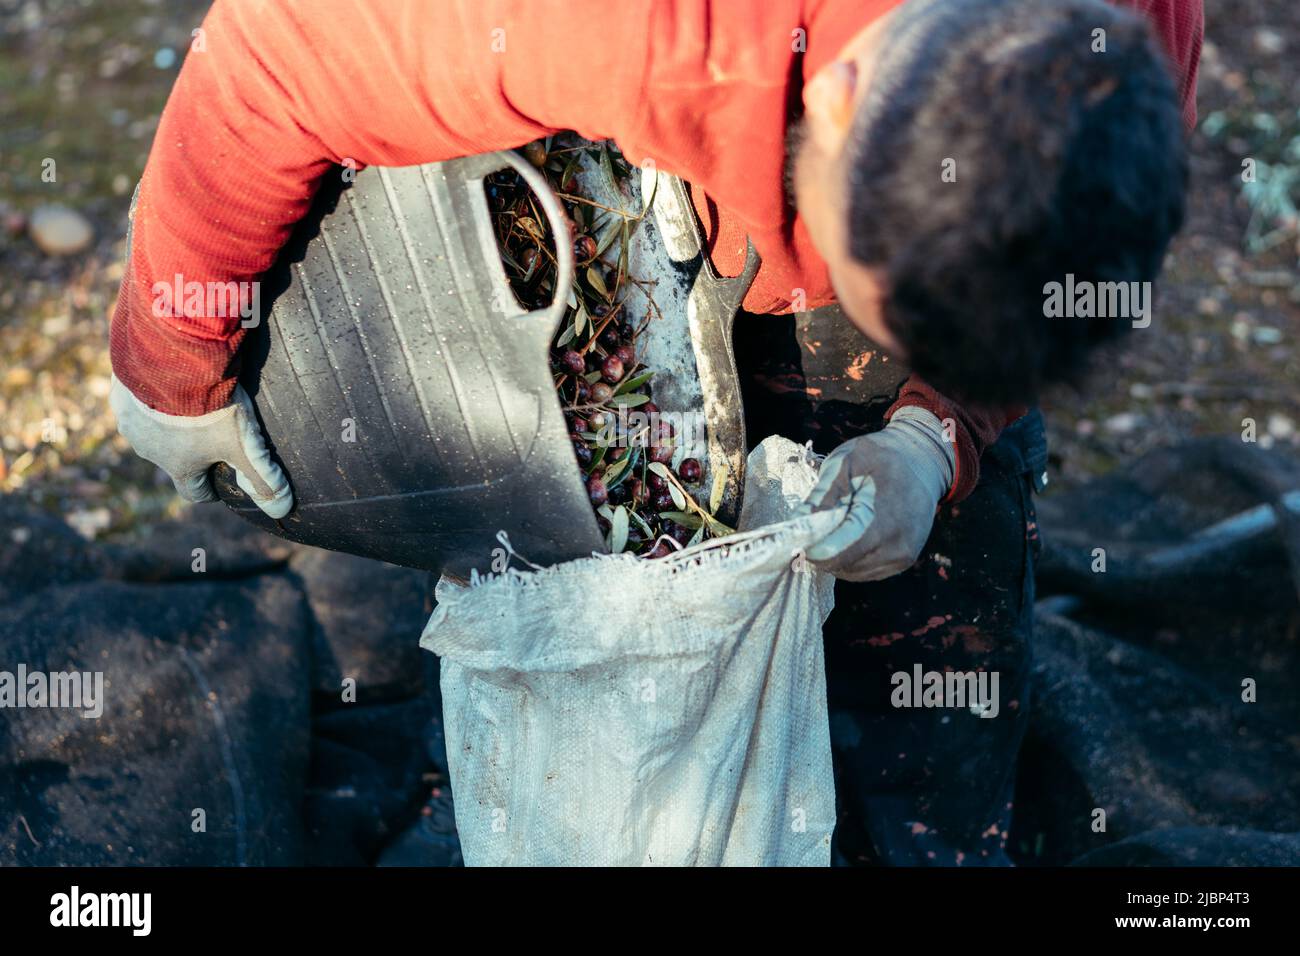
960 157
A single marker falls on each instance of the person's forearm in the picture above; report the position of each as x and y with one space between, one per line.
280 92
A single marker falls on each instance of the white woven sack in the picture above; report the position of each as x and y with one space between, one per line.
616 711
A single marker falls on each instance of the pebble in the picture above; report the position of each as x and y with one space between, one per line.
1280 426
90 522
1123 423
59 231
1269 41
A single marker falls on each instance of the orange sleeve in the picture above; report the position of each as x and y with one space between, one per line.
273 93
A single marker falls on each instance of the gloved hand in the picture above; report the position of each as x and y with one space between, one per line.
186 447
892 482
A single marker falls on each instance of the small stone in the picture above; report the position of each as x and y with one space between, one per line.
1280 426
59 231
1269 41
90 522
1123 423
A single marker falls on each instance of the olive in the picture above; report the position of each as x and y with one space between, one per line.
535 153
612 369
528 257
690 471
573 362
584 248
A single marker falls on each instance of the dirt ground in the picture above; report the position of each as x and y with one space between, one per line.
83 83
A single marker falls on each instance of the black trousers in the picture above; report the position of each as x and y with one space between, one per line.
914 785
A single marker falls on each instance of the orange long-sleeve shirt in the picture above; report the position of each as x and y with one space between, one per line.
283 89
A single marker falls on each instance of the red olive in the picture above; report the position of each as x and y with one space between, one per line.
612 369
584 248
573 362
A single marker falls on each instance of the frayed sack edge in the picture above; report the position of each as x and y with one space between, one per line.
741 554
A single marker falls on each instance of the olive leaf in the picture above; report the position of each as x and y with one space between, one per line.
608 169
683 518
570 168
580 320
679 499
649 533
511 260
623 251
610 235
592 377
597 281
633 383
618 530
605 512
717 527
719 486
625 468
660 469
631 401
616 469
697 537
567 337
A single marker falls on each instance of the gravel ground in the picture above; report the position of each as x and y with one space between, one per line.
83 84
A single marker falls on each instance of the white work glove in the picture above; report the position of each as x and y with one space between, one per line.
186 447
891 481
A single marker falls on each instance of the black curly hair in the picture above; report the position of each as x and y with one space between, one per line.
1067 160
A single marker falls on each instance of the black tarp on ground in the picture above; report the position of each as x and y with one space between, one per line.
225 689
1138 702
223 693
